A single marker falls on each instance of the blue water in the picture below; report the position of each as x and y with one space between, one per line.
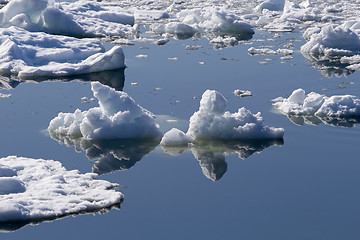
303 188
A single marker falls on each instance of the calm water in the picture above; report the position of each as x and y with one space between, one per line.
304 188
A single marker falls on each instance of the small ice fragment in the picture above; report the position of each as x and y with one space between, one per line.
287 58
242 93
141 56
3 95
162 41
92 99
188 47
158 89
176 137
173 59
84 100
202 63
172 121
261 51
134 84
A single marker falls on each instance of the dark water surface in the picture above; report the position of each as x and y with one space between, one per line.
306 187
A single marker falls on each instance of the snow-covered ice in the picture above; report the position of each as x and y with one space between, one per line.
78 18
212 121
118 116
335 110
28 55
34 190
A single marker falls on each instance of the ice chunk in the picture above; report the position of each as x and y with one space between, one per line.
29 55
213 121
261 51
332 40
318 105
44 189
272 5
176 137
117 117
79 19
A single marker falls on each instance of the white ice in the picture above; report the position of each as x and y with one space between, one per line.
79 18
38 189
118 116
302 104
33 54
212 121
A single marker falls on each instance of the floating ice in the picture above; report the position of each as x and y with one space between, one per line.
333 40
209 19
27 55
176 137
4 95
118 116
332 110
242 93
34 190
261 51
212 121
80 18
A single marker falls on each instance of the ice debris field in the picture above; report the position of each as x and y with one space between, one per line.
47 38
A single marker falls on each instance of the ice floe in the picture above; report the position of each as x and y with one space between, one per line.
34 190
37 54
338 110
212 121
118 116
78 18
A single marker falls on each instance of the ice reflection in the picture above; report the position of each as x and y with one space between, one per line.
211 154
110 155
332 121
111 78
17 225
329 67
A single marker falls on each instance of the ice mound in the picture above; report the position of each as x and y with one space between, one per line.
80 18
36 190
176 137
333 40
319 105
29 54
212 121
118 116
271 5
208 20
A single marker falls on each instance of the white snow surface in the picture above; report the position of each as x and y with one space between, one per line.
318 105
212 121
118 116
176 137
38 189
78 18
33 54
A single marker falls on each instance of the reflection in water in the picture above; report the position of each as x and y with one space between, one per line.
111 78
211 154
332 121
329 67
110 155
16 225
